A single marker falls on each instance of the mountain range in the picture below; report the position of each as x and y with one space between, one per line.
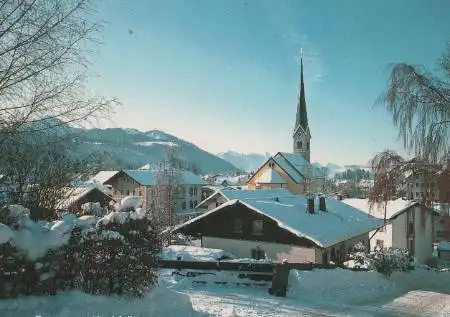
251 162
131 148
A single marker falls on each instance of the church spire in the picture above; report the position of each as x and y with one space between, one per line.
302 116
302 136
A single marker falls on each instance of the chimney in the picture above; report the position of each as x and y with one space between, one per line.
322 204
311 205
277 199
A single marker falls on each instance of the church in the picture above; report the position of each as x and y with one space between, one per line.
292 171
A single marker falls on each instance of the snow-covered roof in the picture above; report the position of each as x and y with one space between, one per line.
393 207
74 194
103 176
339 223
230 194
149 177
270 176
282 162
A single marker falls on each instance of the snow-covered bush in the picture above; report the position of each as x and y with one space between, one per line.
358 258
383 261
93 209
114 254
388 261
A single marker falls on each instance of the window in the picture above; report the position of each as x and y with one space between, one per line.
258 254
183 191
299 144
183 205
191 204
379 245
128 192
257 227
140 193
307 146
237 225
195 191
195 203
270 164
411 246
191 191
410 229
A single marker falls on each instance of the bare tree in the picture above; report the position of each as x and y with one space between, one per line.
167 189
42 171
419 103
45 47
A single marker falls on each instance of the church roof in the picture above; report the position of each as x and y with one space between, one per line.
302 116
270 176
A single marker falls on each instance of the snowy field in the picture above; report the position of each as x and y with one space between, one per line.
335 292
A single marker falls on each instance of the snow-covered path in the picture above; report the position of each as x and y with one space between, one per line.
328 293
220 302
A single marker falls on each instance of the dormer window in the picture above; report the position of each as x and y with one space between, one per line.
299 144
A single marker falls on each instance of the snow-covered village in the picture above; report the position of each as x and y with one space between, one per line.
224 158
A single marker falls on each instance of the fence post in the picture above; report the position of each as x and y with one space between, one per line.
280 279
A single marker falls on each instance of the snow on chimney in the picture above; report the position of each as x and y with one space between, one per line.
311 205
322 204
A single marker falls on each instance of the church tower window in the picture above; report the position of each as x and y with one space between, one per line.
307 146
299 144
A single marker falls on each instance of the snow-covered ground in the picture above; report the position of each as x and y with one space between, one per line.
311 293
336 292
328 293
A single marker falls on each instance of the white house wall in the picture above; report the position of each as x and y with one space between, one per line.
399 232
385 236
275 251
423 242
423 238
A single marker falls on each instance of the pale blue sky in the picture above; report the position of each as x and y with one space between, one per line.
224 74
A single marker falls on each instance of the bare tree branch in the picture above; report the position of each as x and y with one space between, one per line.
45 48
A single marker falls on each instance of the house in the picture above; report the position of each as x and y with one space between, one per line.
76 197
293 171
442 222
290 171
433 186
221 196
188 187
299 229
409 225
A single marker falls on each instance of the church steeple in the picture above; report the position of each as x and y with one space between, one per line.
302 136
302 116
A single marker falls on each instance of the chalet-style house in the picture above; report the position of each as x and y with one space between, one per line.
409 225
299 229
221 196
141 183
76 197
292 171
